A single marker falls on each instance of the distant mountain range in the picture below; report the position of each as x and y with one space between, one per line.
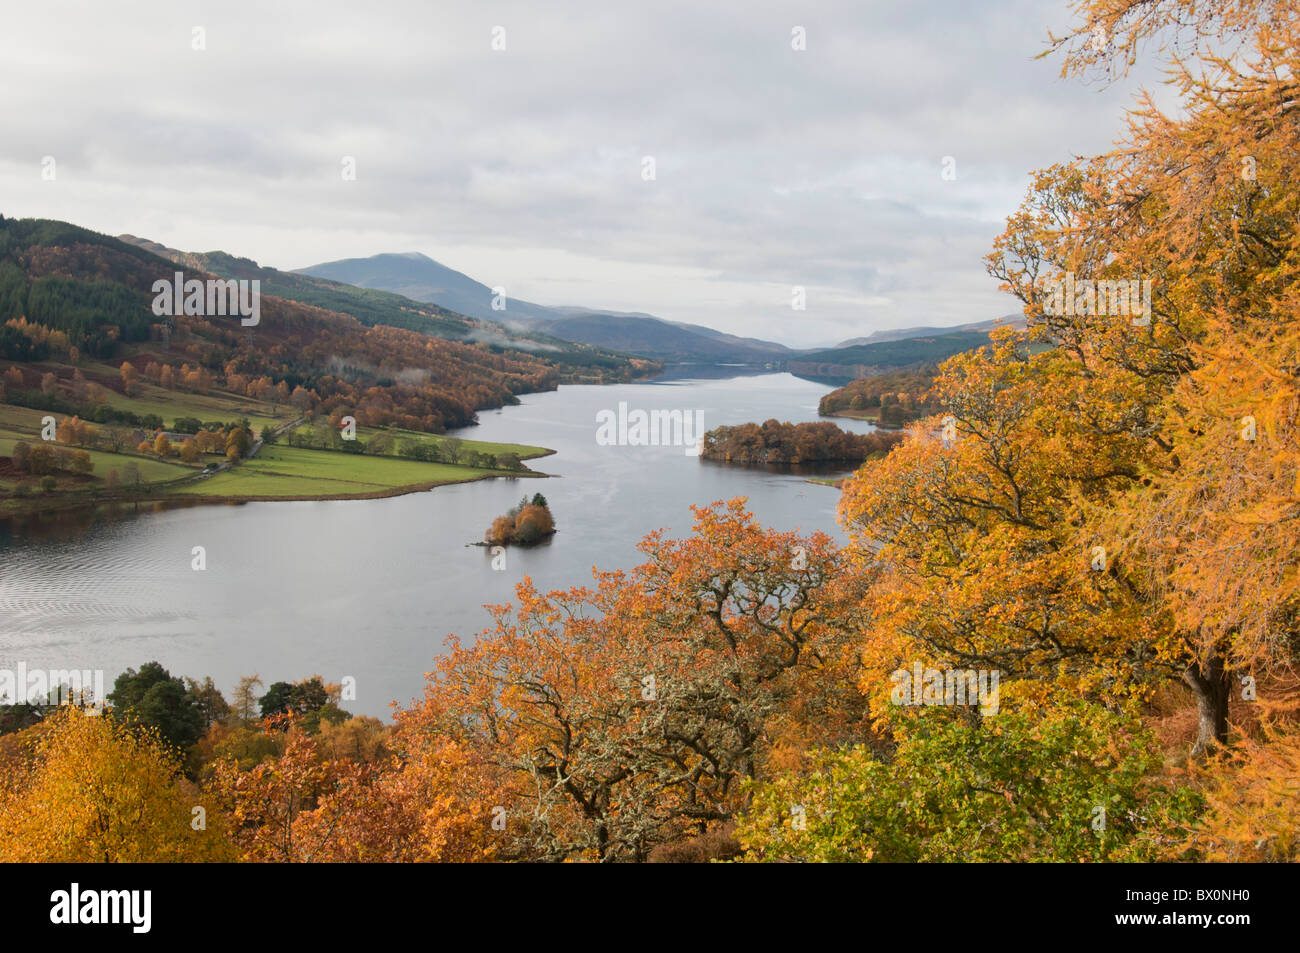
848 363
417 276
423 279
372 306
899 334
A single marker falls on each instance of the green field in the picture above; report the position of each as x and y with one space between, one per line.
837 482
293 473
277 472
871 416
21 423
522 451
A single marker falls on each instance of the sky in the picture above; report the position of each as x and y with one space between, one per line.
229 125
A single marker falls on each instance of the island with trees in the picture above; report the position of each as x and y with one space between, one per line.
527 524
784 443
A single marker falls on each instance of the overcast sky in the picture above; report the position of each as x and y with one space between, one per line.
523 167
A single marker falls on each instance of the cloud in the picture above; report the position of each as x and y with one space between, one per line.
773 167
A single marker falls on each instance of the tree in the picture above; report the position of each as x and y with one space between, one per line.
501 532
238 443
152 697
94 791
245 698
1065 784
162 446
1252 814
130 377
190 451
978 542
1201 206
626 716
298 698
209 701
22 456
532 524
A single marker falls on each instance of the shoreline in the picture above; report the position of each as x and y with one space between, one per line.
62 503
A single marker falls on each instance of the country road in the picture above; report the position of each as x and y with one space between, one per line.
252 452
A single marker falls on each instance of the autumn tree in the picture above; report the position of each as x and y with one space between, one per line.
22 456
1201 205
130 377
628 715
974 531
1067 783
96 791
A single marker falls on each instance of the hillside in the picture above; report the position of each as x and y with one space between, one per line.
373 307
369 306
421 278
865 360
664 340
79 342
74 300
899 334
888 400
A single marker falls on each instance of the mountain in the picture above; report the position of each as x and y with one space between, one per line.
76 306
900 334
848 363
368 306
665 340
420 277
375 307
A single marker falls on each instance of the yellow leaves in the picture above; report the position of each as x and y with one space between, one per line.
96 791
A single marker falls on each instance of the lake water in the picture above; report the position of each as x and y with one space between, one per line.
371 588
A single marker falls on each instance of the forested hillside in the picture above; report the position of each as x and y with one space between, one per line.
68 296
889 400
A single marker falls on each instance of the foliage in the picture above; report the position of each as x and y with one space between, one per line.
1068 783
776 442
93 790
154 698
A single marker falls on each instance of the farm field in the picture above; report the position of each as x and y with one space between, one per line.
294 473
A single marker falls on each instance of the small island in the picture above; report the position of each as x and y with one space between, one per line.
526 524
811 443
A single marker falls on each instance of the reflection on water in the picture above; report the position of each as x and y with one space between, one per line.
371 588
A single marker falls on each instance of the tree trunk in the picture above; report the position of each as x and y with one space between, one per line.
1209 682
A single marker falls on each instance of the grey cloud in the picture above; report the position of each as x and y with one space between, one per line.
774 167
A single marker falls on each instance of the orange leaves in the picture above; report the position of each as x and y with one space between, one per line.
1253 801
615 718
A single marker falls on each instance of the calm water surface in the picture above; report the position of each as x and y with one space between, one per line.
371 588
